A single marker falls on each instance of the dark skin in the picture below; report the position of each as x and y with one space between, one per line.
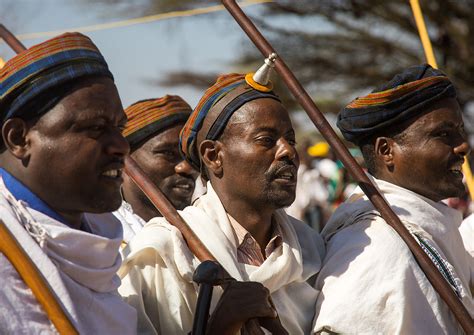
72 156
258 147
428 156
160 159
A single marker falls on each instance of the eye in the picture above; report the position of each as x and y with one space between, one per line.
96 127
167 154
96 130
267 141
291 141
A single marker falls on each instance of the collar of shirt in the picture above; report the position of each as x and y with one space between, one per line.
248 249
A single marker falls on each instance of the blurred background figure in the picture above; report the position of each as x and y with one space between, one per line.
323 183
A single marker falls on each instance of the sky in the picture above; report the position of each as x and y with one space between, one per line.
137 54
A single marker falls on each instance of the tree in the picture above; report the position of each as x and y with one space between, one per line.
355 45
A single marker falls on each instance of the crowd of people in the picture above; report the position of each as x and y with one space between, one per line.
113 265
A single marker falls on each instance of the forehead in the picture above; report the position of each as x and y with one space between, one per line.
444 112
268 113
167 137
90 99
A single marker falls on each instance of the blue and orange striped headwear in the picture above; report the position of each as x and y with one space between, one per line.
149 117
406 96
32 82
219 102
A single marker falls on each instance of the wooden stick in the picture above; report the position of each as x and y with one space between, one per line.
11 40
432 273
35 281
166 208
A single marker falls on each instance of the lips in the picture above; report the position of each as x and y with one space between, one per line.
184 186
286 174
456 168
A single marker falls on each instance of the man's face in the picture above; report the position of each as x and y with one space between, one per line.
77 150
160 159
260 162
428 159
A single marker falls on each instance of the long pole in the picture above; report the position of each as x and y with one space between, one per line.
432 273
35 281
431 59
11 40
166 208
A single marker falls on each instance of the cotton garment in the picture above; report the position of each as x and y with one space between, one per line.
158 268
79 267
131 222
370 282
467 233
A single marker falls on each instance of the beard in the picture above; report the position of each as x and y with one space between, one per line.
280 196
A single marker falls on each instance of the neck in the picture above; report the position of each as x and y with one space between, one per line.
141 205
22 188
255 219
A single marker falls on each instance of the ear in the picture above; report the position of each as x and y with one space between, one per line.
211 156
384 151
14 134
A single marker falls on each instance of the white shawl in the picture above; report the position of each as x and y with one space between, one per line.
131 222
79 267
157 272
370 281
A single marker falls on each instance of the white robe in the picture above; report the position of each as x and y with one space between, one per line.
370 282
131 222
79 267
467 233
157 271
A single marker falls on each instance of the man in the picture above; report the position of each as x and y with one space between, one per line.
153 134
411 134
62 154
241 139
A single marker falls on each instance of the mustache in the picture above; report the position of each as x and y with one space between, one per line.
179 179
275 170
455 161
115 163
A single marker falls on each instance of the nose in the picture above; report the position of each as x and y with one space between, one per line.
185 168
285 150
462 149
117 144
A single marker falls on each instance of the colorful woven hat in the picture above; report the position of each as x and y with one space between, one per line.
219 102
35 80
150 117
407 95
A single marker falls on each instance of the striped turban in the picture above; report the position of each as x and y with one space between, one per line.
32 82
149 117
219 102
407 95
